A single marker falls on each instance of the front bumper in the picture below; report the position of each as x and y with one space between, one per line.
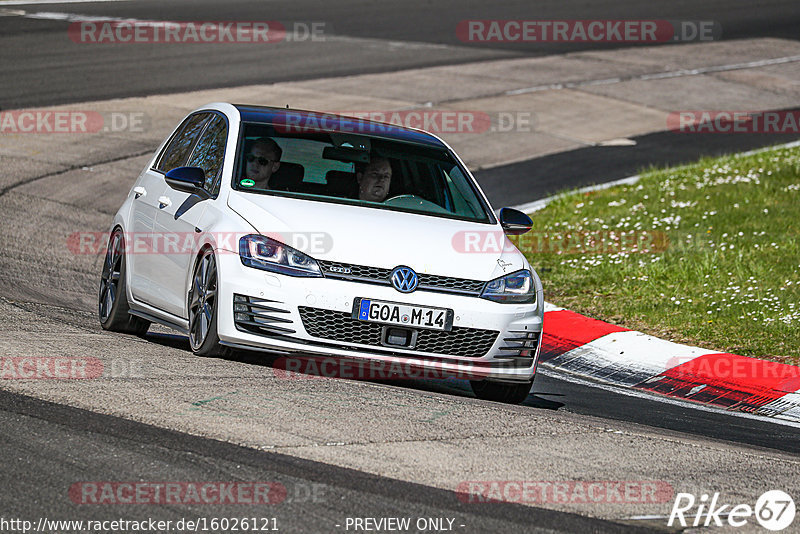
311 316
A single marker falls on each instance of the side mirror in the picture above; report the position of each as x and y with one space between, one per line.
186 179
514 222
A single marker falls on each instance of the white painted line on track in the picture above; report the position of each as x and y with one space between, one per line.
536 205
76 17
767 149
44 2
71 17
658 75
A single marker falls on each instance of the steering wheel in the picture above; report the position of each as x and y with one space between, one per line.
405 196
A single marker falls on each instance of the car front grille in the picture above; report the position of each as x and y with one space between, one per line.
378 275
340 326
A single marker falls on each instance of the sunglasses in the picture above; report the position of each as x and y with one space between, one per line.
261 161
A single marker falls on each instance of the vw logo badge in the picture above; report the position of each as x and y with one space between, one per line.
404 279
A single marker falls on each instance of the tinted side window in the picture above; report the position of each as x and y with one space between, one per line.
210 151
181 145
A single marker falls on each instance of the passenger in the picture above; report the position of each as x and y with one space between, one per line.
262 160
374 179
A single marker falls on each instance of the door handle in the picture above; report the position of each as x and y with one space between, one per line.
139 191
163 202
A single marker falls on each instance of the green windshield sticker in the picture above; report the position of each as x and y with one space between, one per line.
247 183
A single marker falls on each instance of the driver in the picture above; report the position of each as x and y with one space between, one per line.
263 159
374 179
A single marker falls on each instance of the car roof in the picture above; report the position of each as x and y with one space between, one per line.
271 115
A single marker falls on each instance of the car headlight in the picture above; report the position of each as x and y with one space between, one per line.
270 255
514 288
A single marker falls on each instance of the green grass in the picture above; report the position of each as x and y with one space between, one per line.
728 278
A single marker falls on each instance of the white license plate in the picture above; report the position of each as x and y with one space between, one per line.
380 311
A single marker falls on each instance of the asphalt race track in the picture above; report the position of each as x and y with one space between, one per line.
373 37
310 485
342 449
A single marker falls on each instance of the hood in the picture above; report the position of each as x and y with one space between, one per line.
382 238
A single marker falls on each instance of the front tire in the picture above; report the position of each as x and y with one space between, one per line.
203 307
112 306
500 391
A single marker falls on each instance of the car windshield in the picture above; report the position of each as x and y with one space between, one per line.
356 169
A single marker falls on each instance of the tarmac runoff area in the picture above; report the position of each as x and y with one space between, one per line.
58 184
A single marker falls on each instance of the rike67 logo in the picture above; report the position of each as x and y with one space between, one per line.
774 510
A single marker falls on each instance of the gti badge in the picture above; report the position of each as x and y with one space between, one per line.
404 279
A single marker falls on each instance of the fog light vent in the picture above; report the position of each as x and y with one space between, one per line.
261 316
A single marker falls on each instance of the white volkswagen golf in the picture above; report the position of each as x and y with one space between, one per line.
315 234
